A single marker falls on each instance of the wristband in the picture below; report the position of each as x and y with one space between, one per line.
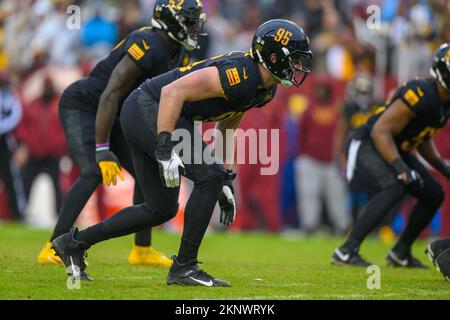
163 150
230 175
399 166
102 146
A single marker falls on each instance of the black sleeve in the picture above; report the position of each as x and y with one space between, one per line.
238 79
412 95
139 50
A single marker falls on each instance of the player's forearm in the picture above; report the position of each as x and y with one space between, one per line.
169 111
106 115
384 142
227 152
429 152
228 147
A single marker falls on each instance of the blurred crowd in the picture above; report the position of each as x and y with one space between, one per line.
41 54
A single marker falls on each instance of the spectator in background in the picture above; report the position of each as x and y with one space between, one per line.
295 104
42 141
412 28
10 115
99 35
317 175
54 43
259 204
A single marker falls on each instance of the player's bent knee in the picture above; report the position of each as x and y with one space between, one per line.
170 211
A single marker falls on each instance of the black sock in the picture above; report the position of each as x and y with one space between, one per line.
377 208
74 202
421 215
197 215
143 238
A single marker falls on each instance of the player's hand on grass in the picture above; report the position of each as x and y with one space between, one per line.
226 200
170 164
109 164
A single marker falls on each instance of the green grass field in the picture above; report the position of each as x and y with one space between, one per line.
259 266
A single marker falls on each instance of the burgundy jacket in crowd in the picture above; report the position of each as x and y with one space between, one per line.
316 132
40 129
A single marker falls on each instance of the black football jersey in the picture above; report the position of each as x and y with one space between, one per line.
422 97
239 77
146 48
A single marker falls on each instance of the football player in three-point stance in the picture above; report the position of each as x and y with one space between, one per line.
383 149
89 110
219 89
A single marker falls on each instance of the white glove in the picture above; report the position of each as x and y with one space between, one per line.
169 170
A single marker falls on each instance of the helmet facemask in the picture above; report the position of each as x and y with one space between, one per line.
191 27
182 26
296 72
440 69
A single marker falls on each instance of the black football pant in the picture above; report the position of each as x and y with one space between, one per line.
79 129
429 198
138 118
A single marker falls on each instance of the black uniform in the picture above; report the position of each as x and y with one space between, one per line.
422 97
240 79
78 108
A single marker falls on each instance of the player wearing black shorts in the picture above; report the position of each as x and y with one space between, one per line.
89 110
219 89
383 148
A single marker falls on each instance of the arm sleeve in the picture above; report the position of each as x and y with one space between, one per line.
140 51
11 112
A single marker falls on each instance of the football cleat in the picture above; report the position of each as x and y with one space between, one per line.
396 260
189 274
148 256
48 255
345 256
72 252
443 264
435 248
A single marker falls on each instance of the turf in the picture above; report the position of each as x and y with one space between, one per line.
259 266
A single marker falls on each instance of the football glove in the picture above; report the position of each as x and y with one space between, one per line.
108 163
414 181
170 164
226 200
